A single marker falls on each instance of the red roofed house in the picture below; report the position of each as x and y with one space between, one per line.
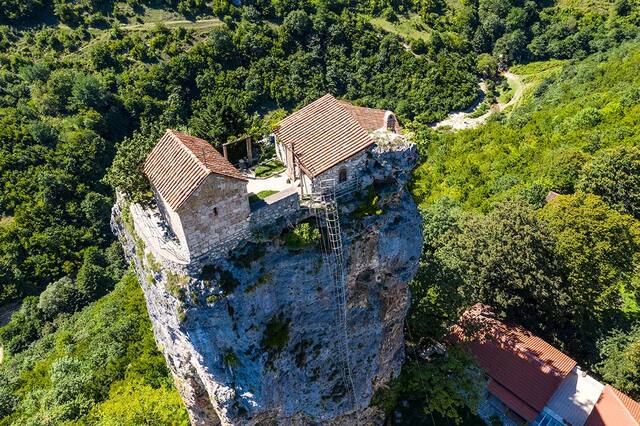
614 409
201 195
531 382
329 140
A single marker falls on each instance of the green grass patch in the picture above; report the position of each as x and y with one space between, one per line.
594 6
269 168
534 74
254 198
506 91
408 27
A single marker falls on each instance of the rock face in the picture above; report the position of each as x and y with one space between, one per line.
252 339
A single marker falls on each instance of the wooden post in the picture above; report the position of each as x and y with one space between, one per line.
224 151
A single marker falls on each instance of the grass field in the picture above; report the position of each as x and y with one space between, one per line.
534 73
600 6
408 27
5 220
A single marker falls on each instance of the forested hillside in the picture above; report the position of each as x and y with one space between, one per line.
88 86
566 269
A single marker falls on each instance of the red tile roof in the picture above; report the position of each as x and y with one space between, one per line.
327 132
614 408
510 400
530 368
369 118
179 163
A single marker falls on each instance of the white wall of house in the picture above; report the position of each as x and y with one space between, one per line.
281 152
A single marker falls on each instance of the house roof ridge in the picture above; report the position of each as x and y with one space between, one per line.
205 165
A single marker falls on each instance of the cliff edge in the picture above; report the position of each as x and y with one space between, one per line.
251 338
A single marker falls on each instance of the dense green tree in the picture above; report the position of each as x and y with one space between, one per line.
59 296
89 92
597 246
620 366
97 366
507 260
132 152
487 66
562 168
15 10
23 328
219 118
437 300
614 175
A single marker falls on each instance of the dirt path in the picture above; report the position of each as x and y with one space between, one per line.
199 24
462 119
517 95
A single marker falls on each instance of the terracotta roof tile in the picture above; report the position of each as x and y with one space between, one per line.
512 401
614 408
369 118
327 132
526 365
178 163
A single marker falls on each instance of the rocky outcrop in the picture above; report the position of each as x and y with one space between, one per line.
251 339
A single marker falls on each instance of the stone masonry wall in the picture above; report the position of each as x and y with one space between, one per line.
356 167
219 208
274 207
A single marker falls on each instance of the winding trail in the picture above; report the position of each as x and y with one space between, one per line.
460 120
196 24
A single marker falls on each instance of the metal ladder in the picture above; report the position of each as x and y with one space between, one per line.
333 256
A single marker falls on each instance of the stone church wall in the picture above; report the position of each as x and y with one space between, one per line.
219 208
355 168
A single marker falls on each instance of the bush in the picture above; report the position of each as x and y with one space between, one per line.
615 176
59 296
369 205
301 237
226 281
276 334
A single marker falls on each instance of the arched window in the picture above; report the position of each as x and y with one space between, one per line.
342 176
